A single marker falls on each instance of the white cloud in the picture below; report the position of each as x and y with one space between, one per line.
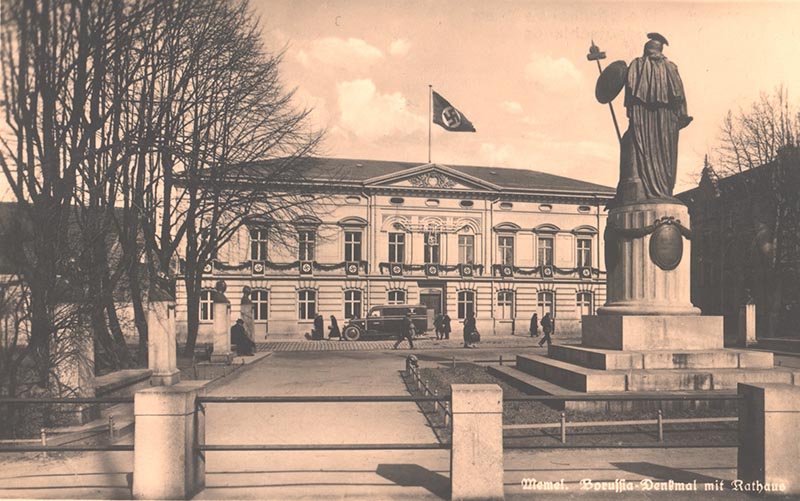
370 115
497 154
554 75
399 47
512 107
351 54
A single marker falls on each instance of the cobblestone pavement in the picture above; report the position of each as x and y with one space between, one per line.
387 344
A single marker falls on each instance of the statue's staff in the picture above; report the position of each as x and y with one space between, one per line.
608 85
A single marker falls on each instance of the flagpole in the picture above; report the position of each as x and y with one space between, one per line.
430 118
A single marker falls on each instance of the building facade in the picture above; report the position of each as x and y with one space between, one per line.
501 243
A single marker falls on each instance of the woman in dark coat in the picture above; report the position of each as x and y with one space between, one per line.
469 328
319 328
534 329
446 326
333 330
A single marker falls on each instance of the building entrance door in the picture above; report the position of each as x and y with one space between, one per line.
432 299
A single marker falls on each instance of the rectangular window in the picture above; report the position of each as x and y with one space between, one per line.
545 251
306 240
545 304
505 305
505 246
584 252
466 249
260 307
396 297
432 248
585 303
307 304
466 304
352 245
206 306
397 247
258 244
352 304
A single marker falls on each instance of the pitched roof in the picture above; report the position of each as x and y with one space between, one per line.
349 170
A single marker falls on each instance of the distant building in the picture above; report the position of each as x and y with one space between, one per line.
746 246
502 243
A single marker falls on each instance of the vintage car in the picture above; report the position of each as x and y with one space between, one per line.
386 321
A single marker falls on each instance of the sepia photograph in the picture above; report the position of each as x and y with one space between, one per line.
399 250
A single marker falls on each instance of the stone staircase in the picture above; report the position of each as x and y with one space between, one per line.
574 370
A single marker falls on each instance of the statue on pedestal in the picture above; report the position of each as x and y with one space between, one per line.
656 110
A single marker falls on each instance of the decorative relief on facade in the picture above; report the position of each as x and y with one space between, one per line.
431 180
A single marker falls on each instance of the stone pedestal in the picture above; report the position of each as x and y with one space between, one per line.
746 328
769 420
168 428
652 332
72 351
637 285
161 348
476 457
222 337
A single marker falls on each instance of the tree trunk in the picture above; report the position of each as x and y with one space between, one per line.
192 311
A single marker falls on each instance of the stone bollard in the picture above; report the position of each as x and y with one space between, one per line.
162 353
222 337
769 438
476 456
746 328
167 429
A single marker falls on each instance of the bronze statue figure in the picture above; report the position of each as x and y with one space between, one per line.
656 109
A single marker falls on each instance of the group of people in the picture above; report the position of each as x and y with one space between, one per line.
441 324
318 332
548 324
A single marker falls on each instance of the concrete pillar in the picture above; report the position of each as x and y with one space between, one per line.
769 437
167 429
222 333
72 350
162 356
476 457
746 328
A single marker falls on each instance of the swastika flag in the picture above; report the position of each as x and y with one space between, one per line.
448 117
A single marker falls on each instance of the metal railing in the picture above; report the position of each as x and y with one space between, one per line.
9 445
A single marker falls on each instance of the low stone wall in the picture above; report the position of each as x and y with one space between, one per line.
124 383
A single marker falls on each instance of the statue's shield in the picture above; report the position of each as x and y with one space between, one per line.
666 247
611 81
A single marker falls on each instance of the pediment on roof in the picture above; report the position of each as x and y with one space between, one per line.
432 176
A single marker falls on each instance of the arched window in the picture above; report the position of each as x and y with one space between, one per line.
206 306
260 306
352 304
307 304
505 305
545 303
466 304
585 303
396 297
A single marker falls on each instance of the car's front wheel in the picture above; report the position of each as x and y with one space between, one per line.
352 333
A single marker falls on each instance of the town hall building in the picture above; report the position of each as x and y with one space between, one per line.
500 243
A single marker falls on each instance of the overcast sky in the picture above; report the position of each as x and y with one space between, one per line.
518 71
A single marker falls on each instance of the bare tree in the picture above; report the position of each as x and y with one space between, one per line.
761 144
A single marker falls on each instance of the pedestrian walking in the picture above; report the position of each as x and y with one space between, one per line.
319 328
446 326
534 329
437 325
406 332
333 330
547 328
469 330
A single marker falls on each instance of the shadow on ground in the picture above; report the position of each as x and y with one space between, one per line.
412 475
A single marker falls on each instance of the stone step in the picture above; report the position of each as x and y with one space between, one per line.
571 376
578 378
527 383
596 358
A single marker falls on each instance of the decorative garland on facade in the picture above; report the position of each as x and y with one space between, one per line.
384 267
286 266
615 232
497 270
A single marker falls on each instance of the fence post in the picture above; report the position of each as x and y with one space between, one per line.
476 455
43 434
501 359
436 402
660 426
447 413
769 436
563 427
111 427
167 430
454 362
